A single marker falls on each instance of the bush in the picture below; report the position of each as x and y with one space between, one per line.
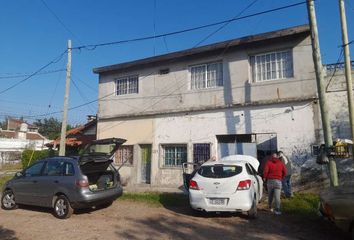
37 155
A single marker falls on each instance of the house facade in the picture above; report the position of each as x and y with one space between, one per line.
251 95
16 138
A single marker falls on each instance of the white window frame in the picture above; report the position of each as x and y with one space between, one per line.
128 88
218 82
175 145
280 66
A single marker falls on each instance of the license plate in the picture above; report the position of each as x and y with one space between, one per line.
217 201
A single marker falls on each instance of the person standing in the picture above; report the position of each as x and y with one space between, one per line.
286 183
274 173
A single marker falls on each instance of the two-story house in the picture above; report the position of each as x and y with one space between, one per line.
210 101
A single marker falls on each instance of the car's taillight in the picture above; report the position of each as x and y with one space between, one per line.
193 185
244 185
82 183
328 211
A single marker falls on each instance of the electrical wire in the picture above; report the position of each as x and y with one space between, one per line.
55 60
335 69
82 95
42 73
94 46
60 21
226 23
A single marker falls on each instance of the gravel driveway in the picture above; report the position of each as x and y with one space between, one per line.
134 220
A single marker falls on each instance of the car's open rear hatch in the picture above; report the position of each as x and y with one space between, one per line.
95 163
100 150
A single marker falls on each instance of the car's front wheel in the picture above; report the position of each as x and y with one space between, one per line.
252 213
62 207
8 200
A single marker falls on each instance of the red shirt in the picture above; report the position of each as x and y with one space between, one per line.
274 169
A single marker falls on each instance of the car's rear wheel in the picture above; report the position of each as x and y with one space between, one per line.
252 213
8 200
62 207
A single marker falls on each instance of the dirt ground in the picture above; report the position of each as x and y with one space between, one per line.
134 220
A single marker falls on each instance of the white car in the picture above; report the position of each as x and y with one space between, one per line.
230 184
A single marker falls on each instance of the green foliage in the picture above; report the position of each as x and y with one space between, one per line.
3 180
158 199
302 204
50 127
37 155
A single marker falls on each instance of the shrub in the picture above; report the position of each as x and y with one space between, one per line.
37 155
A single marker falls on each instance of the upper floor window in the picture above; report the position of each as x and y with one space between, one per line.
272 66
127 85
206 75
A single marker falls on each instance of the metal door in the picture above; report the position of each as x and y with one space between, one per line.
145 163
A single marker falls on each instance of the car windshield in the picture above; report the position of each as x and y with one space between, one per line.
219 171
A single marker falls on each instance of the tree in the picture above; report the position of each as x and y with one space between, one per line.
3 124
50 127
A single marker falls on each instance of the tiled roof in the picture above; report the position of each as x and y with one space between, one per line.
75 136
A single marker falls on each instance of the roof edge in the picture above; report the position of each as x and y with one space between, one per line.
206 48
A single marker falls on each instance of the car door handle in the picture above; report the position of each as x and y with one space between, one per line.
56 181
34 181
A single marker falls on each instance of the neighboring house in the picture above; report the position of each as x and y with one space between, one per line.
18 137
77 138
214 100
15 124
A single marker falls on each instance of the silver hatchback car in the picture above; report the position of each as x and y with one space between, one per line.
68 183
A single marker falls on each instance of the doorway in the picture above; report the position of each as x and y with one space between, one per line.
145 163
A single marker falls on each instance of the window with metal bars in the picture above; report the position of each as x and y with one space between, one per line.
127 85
208 75
124 155
174 154
272 66
201 152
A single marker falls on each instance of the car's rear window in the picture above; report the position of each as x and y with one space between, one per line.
219 171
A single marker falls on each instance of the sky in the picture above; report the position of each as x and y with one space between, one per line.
36 32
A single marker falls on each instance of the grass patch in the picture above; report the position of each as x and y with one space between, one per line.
302 204
3 180
157 199
11 167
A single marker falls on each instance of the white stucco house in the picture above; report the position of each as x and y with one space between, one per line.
215 100
17 137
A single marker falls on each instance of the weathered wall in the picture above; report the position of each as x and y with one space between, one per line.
172 93
338 104
292 123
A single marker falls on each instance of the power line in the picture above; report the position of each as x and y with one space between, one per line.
55 60
83 82
226 23
26 75
59 20
94 46
78 106
81 94
335 70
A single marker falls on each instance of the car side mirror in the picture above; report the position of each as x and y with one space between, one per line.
19 174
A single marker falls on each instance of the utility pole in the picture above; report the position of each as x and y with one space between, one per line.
316 54
66 101
348 67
